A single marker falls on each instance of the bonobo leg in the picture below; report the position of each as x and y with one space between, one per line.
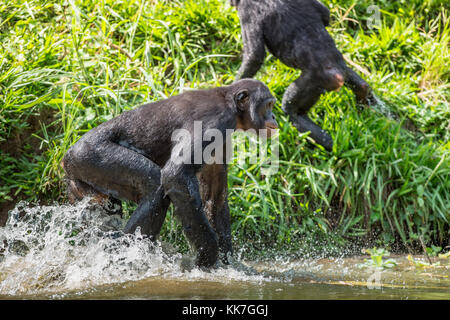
299 97
121 173
181 185
214 190
149 215
360 87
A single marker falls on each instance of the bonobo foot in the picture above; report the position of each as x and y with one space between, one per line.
149 215
207 251
363 92
225 250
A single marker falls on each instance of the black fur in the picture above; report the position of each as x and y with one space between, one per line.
294 32
131 157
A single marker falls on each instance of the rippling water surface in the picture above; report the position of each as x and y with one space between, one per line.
76 252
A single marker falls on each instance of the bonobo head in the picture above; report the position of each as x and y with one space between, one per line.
254 104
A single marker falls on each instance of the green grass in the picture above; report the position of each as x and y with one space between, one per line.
68 66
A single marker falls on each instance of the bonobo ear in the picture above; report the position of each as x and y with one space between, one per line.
241 100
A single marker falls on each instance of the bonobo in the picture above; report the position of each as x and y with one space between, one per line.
132 157
294 32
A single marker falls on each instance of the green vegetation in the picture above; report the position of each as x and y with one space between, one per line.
67 66
376 259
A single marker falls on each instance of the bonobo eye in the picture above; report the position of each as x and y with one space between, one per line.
241 99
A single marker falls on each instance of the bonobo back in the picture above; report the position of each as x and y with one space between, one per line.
295 33
148 129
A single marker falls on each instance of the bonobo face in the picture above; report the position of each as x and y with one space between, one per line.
254 104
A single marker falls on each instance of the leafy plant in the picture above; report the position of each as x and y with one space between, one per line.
421 265
433 251
376 258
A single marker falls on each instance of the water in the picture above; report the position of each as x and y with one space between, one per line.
76 252
381 107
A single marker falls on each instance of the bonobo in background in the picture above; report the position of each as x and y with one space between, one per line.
132 157
294 32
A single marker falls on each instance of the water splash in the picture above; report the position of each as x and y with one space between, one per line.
65 251
380 106
63 247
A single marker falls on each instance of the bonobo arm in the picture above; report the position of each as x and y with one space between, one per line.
223 228
253 42
181 186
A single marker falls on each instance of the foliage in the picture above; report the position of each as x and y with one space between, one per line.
421 265
376 258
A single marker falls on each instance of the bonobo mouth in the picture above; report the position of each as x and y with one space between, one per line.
271 125
270 128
